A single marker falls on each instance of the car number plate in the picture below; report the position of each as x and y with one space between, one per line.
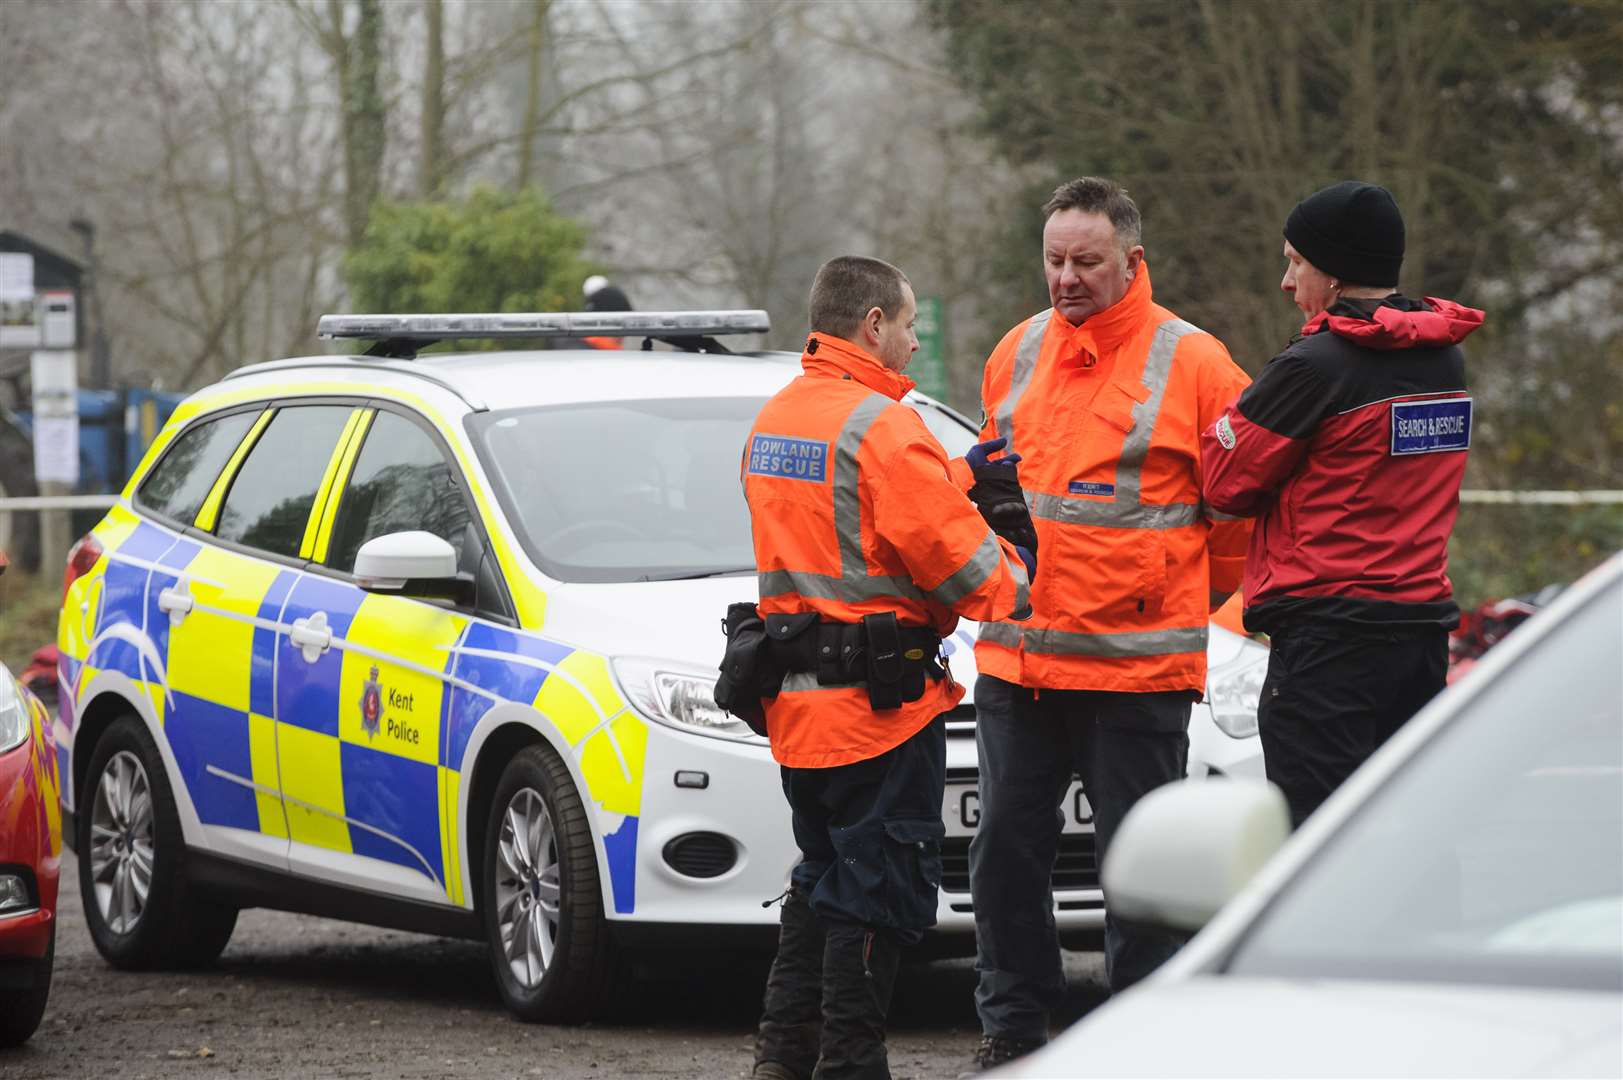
961 810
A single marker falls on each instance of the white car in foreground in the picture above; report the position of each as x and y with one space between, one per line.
1456 909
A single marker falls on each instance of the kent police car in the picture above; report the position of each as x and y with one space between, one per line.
429 643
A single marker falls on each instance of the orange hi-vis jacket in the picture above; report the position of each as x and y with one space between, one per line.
1107 418
854 512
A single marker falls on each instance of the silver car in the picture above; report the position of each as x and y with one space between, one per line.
1455 909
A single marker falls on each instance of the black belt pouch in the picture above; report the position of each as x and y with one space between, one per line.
885 663
739 690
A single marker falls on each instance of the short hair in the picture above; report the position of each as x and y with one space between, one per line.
1096 195
847 287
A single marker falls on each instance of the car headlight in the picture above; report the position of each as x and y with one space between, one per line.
680 698
1234 690
14 714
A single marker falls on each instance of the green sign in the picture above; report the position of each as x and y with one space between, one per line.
929 365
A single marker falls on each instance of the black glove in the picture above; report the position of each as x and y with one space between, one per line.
997 494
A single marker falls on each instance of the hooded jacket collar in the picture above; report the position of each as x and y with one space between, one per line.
1102 333
1397 322
836 358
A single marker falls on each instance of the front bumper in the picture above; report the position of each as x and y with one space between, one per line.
720 854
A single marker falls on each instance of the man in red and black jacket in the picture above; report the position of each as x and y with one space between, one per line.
1349 450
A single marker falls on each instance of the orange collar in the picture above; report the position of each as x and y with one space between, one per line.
836 358
1102 333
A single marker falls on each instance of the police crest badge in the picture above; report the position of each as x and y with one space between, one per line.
371 704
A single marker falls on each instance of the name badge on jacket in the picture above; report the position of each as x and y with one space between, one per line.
792 459
1431 426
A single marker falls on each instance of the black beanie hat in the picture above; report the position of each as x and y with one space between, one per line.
1351 231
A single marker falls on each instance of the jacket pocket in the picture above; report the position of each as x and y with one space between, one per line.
1114 404
913 869
1150 587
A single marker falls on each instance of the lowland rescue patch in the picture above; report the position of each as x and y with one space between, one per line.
788 458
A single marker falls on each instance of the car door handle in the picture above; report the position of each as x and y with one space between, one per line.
311 636
176 601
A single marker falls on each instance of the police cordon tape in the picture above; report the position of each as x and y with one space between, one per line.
1542 498
1481 495
58 502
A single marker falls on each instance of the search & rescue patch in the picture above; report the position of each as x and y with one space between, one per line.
791 459
1087 487
1432 426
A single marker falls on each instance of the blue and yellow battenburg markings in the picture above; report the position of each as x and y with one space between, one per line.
285 747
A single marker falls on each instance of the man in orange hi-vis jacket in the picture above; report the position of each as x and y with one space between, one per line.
1103 398
868 552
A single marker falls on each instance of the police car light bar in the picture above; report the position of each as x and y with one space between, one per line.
659 324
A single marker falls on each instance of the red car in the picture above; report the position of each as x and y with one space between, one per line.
30 859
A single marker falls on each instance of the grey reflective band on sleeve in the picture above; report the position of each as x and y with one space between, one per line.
1022 586
1126 510
854 584
972 575
1001 633
1025 365
1067 643
1218 515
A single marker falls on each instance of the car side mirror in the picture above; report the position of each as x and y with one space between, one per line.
1186 849
415 563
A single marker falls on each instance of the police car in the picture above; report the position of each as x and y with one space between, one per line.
429 642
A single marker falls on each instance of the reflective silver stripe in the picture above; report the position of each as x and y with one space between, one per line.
1157 368
1022 587
1111 514
1067 643
1025 364
828 587
848 503
1218 515
1125 510
807 680
972 575
1002 633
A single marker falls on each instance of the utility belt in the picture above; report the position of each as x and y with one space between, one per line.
890 660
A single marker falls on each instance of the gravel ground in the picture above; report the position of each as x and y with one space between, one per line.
307 997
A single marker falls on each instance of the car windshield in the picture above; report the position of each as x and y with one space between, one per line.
1496 854
635 490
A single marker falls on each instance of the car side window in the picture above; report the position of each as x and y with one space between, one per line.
180 482
402 481
269 502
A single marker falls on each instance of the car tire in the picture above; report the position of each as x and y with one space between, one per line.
129 831
541 899
21 1010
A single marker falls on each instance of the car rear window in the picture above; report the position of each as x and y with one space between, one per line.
180 482
1496 854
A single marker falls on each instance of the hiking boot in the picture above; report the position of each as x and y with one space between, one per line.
996 1050
791 1026
859 974
775 1070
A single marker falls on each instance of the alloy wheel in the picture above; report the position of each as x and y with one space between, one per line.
528 890
121 845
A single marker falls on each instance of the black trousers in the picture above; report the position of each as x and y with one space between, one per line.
1334 694
1030 745
870 835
